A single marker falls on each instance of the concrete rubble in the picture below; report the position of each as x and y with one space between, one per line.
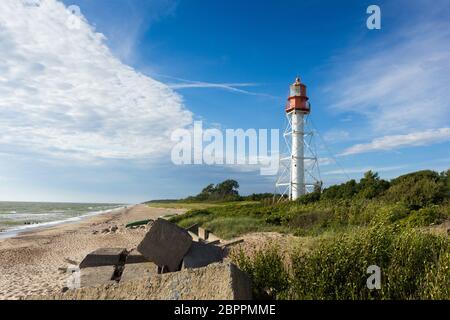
165 244
218 281
169 263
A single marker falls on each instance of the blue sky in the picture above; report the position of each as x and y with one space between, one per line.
87 112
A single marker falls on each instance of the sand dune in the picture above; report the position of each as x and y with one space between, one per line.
34 263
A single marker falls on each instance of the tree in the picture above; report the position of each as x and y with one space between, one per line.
371 186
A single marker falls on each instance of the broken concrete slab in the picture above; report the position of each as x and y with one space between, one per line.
218 281
165 244
103 257
212 237
97 276
141 271
135 257
202 254
194 236
202 233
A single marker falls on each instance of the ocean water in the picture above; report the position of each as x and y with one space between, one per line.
20 216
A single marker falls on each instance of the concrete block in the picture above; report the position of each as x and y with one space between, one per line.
202 254
218 281
96 276
142 271
103 257
193 236
203 233
135 257
212 237
165 244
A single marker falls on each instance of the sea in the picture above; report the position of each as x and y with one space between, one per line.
16 217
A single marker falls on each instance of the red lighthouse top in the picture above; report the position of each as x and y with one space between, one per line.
297 98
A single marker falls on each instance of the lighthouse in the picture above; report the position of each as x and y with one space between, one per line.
299 166
297 108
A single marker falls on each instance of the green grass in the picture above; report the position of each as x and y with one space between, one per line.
349 228
194 205
414 265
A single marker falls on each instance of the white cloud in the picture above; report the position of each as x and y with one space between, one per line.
400 141
63 93
399 80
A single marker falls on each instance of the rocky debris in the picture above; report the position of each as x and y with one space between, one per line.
103 257
202 254
165 244
218 281
164 251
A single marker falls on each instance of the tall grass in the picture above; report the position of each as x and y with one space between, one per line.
414 265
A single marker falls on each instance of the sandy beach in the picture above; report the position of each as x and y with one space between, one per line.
34 263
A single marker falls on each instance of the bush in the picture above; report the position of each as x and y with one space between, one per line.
417 190
425 217
413 265
266 269
336 269
436 282
412 253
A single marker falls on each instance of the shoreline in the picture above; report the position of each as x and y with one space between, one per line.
24 229
35 262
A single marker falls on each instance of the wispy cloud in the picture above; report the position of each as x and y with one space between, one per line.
399 82
232 87
62 92
401 141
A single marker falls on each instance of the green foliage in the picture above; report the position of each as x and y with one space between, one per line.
435 284
411 254
270 279
336 268
426 216
418 189
414 265
224 191
355 225
232 220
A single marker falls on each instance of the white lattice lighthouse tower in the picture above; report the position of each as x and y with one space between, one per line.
297 108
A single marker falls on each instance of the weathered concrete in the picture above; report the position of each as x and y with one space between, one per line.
96 276
202 254
135 257
212 237
165 244
142 271
138 267
103 257
193 236
218 281
203 233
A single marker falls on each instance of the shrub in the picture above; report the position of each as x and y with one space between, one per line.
412 253
336 269
266 269
436 282
425 217
417 190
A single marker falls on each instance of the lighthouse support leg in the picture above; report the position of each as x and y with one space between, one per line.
297 160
